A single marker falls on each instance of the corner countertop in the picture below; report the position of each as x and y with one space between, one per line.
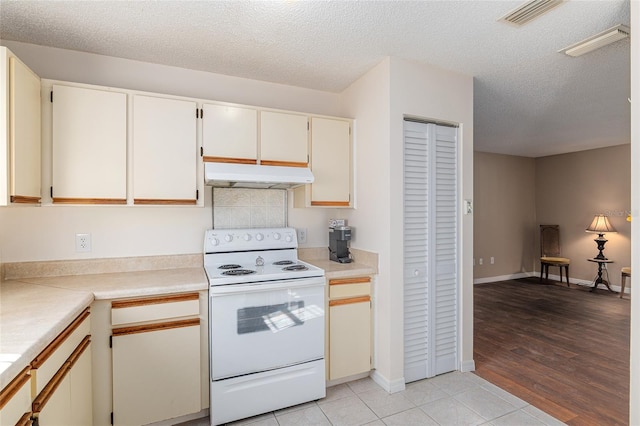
35 309
365 263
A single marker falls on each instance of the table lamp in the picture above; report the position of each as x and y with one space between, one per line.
599 226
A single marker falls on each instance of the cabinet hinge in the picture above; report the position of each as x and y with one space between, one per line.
197 194
112 417
307 125
349 130
201 151
35 421
111 341
51 191
52 96
197 113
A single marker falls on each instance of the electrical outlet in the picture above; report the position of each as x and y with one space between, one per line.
302 235
492 260
480 261
83 243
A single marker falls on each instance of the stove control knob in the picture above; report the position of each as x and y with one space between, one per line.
289 238
214 241
228 238
247 237
276 236
259 237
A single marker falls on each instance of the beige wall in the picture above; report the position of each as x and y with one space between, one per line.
504 215
571 189
514 195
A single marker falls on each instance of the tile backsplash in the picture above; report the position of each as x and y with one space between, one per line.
249 208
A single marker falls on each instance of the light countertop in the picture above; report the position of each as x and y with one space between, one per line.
33 311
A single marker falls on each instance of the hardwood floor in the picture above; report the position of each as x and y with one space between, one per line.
563 350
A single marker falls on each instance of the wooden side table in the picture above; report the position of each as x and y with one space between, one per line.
602 264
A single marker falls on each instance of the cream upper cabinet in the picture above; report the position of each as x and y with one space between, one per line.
284 139
164 151
331 164
20 132
89 146
229 134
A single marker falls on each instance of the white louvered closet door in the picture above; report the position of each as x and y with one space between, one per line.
430 250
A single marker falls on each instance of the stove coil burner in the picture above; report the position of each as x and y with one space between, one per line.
229 266
284 262
295 268
238 272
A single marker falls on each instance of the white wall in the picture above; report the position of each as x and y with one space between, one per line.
634 395
48 233
379 101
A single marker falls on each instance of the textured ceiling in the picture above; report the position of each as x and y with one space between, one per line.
529 99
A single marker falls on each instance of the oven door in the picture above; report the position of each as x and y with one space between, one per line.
262 326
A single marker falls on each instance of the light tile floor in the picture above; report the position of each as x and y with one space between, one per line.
450 399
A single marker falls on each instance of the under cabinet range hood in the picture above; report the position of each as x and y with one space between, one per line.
230 175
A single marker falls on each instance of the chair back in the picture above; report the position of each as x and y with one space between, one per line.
550 240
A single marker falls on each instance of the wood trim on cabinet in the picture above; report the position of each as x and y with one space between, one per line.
330 203
349 301
51 348
23 199
43 397
158 201
354 280
155 327
77 353
209 159
25 420
283 163
14 386
60 200
130 303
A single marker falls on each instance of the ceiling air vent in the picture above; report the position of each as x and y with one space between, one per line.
529 11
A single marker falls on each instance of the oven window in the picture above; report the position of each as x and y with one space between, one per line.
272 318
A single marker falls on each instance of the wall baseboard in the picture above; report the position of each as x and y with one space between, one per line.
468 366
502 278
552 277
391 386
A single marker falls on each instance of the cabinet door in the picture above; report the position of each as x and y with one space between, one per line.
229 134
349 337
89 146
15 399
164 151
81 387
25 133
57 408
330 162
156 373
284 139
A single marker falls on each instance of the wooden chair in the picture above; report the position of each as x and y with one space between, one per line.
626 272
550 254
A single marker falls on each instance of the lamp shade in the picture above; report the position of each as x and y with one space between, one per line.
600 225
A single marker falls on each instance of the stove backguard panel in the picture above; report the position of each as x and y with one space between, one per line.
249 208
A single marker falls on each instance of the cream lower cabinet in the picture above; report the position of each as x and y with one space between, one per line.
61 377
15 400
156 358
349 329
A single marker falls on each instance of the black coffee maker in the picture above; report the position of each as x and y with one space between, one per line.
339 237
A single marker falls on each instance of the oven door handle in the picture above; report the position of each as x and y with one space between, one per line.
224 290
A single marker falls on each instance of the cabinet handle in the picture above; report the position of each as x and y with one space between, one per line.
155 327
208 159
24 199
339 302
25 420
154 300
355 280
61 200
46 353
330 203
148 201
283 163
14 386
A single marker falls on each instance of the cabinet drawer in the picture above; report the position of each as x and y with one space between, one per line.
15 399
53 356
349 287
154 308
